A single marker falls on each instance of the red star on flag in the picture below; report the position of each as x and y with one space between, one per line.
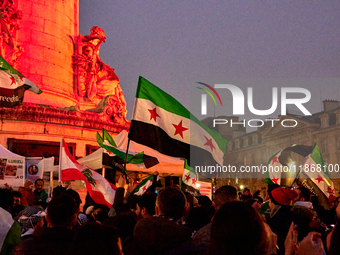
153 114
330 190
193 181
319 179
144 188
179 129
13 80
209 143
110 153
275 180
21 77
275 159
187 177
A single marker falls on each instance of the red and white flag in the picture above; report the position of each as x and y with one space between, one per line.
100 190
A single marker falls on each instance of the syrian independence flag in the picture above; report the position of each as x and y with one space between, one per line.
272 176
100 190
144 185
281 168
13 85
159 121
315 169
118 155
7 226
189 176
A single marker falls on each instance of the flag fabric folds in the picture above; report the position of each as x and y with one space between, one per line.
100 190
165 162
144 185
118 155
189 176
312 174
159 121
315 169
13 85
10 232
274 177
282 169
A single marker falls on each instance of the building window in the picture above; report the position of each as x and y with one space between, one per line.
90 149
338 145
245 142
230 146
237 144
324 122
324 146
325 161
255 139
253 159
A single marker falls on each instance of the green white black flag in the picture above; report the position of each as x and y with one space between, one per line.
13 85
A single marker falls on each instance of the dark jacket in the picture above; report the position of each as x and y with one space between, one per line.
158 235
40 198
47 241
202 236
280 222
119 205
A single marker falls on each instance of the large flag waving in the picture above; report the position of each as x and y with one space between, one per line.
13 85
162 123
100 190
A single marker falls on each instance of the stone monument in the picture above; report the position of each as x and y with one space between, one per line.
81 94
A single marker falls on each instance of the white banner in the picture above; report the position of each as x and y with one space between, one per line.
36 166
12 172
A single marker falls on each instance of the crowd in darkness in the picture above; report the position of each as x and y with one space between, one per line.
286 222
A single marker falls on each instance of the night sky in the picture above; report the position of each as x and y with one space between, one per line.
262 44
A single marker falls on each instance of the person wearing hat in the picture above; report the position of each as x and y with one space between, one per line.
281 217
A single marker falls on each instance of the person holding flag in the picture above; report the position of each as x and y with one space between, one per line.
147 184
100 190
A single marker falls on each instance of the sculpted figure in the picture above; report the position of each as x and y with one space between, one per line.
9 16
97 80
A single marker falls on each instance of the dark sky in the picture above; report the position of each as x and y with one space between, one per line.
175 44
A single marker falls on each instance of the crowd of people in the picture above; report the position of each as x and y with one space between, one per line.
287 221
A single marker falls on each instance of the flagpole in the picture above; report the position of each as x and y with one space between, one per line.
125 160
60 153
51 180
133 115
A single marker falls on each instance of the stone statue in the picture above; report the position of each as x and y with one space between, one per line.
96 80
9 16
